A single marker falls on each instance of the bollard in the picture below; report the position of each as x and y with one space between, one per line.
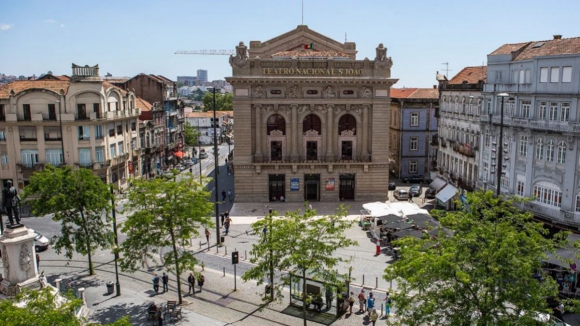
382 310
390 284
217 249
200 244
226 247
245 255
208 246
224 272
363 283
377 282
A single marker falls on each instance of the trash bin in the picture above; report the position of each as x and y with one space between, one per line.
223 239
110 288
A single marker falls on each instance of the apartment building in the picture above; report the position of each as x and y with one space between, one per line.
537 84
459 126
79 120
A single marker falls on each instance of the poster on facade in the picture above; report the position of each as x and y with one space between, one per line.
330 184
294 184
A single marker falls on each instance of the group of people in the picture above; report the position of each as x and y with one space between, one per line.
228 194
367 304
190 281
226 222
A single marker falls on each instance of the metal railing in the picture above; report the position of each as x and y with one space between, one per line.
27 138
48 117
82 116
55 138
311 159
24 117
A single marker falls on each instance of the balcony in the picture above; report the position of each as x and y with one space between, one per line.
86 165
48 137
48 117
82 116
464 149
30 166
560 126
24 117
551 213
308 160
28 138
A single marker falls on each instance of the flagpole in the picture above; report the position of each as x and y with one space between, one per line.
302 12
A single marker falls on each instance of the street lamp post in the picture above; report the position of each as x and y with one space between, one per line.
118 285
215 173
500 146
199 148
61 133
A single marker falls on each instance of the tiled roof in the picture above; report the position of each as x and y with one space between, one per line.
143 105
165 78
22 85
53 77
417 93
107 85
509 48
425 93
402 92
533 49
316 54
470 74
208 114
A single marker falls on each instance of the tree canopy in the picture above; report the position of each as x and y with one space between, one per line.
483 274
41 309
80 201
301 243
223 102
164 213
190 135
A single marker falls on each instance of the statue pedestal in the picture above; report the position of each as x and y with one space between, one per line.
19 260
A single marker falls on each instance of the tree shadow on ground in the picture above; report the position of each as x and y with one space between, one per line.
137 313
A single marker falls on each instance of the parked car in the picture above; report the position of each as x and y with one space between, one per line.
179 167
430 193
401 194
202 155
190 162
414 179
416 190
41 243
392 186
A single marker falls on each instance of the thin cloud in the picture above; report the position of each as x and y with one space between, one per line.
50 21
62 25
5 27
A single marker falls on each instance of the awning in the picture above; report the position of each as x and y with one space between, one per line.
437 184
178 154
446 193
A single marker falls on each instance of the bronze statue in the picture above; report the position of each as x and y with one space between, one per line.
10 202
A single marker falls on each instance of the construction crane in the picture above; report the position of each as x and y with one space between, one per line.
208 52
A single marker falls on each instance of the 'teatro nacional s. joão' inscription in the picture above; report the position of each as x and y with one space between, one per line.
312 71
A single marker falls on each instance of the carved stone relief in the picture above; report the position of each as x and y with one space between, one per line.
258 92
329 92
339 108
241 58
294 92
5 263
365 92
25 259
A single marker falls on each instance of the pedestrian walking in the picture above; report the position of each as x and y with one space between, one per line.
223 195
37 262
410 197
223 218
165 279
264 232
207 234
387 305
227 225
191 283
351 301
362 300
374 316
200 281
231 195
156 283
370 303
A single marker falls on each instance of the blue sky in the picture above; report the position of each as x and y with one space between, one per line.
129 37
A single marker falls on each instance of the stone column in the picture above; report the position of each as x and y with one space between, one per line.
329 133
258 130
18 258
294 131
365 132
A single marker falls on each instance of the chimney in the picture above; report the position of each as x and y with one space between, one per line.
557 37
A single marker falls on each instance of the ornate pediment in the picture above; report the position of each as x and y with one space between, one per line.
296 40
311 133
347 133
276 133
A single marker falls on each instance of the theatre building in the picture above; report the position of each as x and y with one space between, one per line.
312 121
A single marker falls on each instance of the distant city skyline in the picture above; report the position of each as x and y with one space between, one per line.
421 36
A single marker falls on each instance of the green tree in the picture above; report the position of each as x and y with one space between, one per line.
190 135
483 274
302 244
164 214
42 309
223 102
80 201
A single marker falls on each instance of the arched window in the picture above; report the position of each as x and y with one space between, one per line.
347 122
540 149
550 151
312 122
548 193
276 122
562 146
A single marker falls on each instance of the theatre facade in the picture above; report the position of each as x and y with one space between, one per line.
312 121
